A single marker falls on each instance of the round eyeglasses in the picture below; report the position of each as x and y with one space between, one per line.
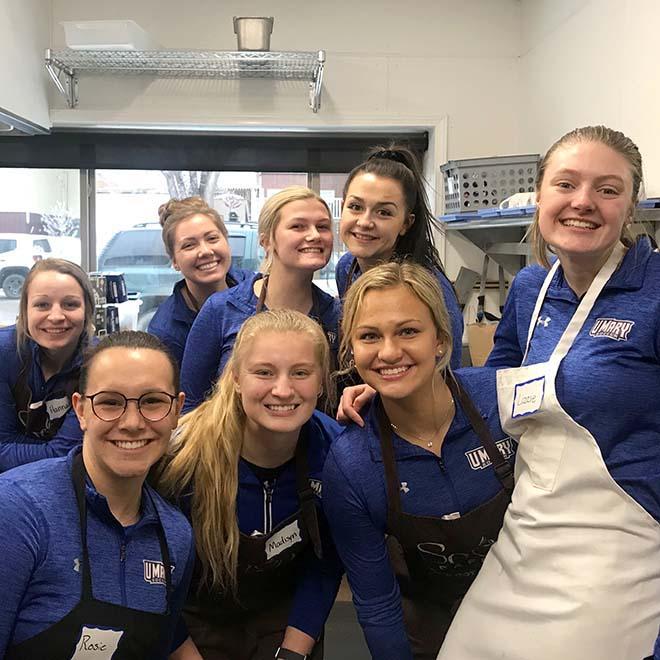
110 406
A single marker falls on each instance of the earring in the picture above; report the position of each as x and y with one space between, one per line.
351 364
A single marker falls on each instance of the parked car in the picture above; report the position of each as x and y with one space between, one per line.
18 252
139 253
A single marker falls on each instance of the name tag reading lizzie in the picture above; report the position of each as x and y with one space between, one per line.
97 644
527 397
287 536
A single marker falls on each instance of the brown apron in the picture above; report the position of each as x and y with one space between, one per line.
435 560
251 625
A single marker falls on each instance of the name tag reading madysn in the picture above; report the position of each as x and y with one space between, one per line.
97 644
527 397
287 536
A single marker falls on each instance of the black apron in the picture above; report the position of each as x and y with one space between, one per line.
138 633
435 560
36 420
251 624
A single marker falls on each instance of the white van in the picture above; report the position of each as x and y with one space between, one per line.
19 252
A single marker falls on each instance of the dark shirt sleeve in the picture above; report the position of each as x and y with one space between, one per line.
317 587
361 546
507 351
173 344
179 596
455 319
201 357
24 534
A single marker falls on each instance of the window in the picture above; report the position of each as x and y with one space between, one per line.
39 218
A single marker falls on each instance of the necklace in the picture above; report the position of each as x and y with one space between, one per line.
428 443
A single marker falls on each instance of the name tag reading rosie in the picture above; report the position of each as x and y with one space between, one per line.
97 643
527 397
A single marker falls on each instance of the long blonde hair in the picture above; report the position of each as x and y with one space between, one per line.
207 448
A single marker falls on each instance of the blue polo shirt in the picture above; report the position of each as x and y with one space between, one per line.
173 319
214 331
451 302
609 381
355 502
41 551
17 447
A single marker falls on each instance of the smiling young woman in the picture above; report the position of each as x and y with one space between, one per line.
41 357
195 238
246 468
579 347
295 230
412 498
386 216
95 559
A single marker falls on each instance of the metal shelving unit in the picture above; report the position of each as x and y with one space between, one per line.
64 66
503 238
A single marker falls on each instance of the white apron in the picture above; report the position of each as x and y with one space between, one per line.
575 572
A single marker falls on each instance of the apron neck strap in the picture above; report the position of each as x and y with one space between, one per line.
389 462
503 469
79 477
582 312
306 494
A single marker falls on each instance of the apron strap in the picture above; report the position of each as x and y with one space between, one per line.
79 476
21 390
389 464
306 494
503 469
582 312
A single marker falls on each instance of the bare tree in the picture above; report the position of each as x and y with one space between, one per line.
59 222
187 184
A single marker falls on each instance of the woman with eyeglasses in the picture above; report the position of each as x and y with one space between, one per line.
95 562
40 358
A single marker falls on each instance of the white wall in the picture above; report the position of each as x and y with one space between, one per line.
24 36
386 66
589 62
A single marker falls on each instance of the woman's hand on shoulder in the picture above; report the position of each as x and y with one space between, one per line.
353 399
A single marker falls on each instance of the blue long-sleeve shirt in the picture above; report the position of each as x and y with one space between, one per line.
451 302
355 502
214 331
42 553
16 446
318 578
609 381
173 319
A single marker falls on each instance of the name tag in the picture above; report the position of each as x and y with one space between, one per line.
97 644
58 407
527 397
285 538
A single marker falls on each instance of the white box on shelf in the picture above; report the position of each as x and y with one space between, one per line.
106 35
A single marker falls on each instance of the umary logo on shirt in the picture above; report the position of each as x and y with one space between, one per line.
154 571
317 486
616 329
479 459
